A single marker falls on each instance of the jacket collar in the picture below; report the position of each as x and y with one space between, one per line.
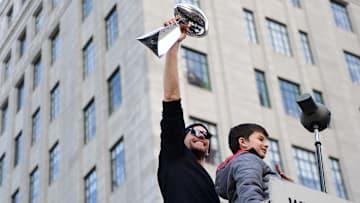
229 159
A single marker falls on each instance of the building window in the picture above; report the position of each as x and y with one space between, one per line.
279 37
4 116
54 102
289 92
34 186
197 68
2 169
18 149
214 155
341 16
318 97
274 154
193 2
338 179
111 22
86 8
15 197
296 3
20 95
262 88
54 3
10 16
90 121
37 72
307 168
35 134
88 58
114 84
7 66
22 44
55 45
39 19
305 44
353 63
117 164
250 26
54 163
90 187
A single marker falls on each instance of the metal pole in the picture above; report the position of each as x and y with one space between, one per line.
319 159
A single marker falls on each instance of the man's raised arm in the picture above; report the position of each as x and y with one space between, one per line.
171 76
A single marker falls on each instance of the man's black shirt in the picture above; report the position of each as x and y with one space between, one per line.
181 178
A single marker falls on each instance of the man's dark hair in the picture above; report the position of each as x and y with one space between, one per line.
189 127
243 130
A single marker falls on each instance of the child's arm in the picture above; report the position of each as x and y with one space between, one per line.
282 174
248 174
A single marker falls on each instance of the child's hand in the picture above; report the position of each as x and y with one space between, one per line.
282 174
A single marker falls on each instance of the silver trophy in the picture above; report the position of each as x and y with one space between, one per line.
161 40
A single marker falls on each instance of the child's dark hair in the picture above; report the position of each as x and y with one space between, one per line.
243 130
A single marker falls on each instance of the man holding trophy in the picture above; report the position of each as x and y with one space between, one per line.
181 175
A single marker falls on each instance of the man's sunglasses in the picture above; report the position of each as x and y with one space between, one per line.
197 133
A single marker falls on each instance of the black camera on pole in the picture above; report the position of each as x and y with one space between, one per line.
315 117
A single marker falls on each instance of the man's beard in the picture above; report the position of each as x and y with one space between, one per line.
199 154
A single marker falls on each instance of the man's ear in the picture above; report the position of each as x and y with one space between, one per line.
242 143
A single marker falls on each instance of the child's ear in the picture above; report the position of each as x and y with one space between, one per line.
242 143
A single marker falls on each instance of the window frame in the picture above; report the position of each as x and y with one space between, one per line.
262 88
86 8
2 168
117 152
337 176
296 3
196 62
290 107
55 45
274 154
341 19
20 94
55 101
37 70
353 64
18 143
89 180
38 19
88 53
312 180
279 37
4 115
34 185
54 162
22 40
7 66
89 131
306 47
112 82
15 197
35 126
252 34
111 27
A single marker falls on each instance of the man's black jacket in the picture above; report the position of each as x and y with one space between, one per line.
181 178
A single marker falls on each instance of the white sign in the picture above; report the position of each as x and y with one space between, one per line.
287 192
